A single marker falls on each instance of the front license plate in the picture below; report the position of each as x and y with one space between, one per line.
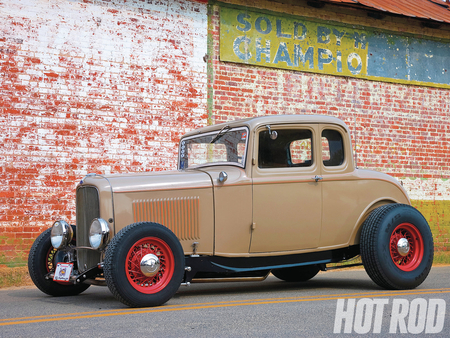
63 271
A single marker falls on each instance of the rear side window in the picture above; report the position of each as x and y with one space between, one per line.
290 148
332 148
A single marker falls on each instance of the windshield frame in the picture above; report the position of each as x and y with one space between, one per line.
214 134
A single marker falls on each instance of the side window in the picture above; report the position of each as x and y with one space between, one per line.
290 148
332 148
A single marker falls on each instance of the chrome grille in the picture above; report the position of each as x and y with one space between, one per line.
88 208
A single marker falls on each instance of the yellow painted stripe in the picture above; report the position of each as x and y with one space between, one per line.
211 305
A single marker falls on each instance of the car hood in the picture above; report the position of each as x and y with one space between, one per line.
162 180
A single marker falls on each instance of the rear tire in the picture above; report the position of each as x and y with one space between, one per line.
296 274
123 273
397 247
41 261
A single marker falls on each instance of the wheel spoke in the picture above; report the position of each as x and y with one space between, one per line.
414 256
135 275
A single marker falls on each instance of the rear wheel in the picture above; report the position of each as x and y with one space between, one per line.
144 265
42 259
396 247
296 274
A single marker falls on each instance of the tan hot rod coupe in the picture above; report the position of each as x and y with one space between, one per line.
277 194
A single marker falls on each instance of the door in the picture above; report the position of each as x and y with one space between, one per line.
286 195
343 193
225 152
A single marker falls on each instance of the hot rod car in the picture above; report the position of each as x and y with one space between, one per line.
277 194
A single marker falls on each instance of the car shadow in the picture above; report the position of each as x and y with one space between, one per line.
275 286
100 298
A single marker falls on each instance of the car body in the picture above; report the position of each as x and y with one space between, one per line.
276 194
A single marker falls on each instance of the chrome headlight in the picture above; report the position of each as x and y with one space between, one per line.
61 234
99 233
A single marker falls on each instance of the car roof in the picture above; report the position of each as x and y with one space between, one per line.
255 122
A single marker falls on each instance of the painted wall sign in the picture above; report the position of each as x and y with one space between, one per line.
275 40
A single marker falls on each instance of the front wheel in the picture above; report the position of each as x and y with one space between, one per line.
42 259
144 265
396 247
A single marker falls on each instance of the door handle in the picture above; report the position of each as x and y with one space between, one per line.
317 178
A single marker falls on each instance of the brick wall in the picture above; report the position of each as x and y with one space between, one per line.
109 86
90 86
402 130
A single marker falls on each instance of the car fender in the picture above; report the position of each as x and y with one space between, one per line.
356 233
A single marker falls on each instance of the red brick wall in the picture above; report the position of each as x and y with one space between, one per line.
401 130
90 86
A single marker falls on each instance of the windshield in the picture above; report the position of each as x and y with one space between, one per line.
227 146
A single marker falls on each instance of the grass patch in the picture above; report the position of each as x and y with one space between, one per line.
12 262
16 276
441 257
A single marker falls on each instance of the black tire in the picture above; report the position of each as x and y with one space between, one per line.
296 274
381 257
121 269
41 261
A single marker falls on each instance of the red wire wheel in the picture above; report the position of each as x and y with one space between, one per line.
42 259
162 270
411 259
396 246
51 266
159 248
